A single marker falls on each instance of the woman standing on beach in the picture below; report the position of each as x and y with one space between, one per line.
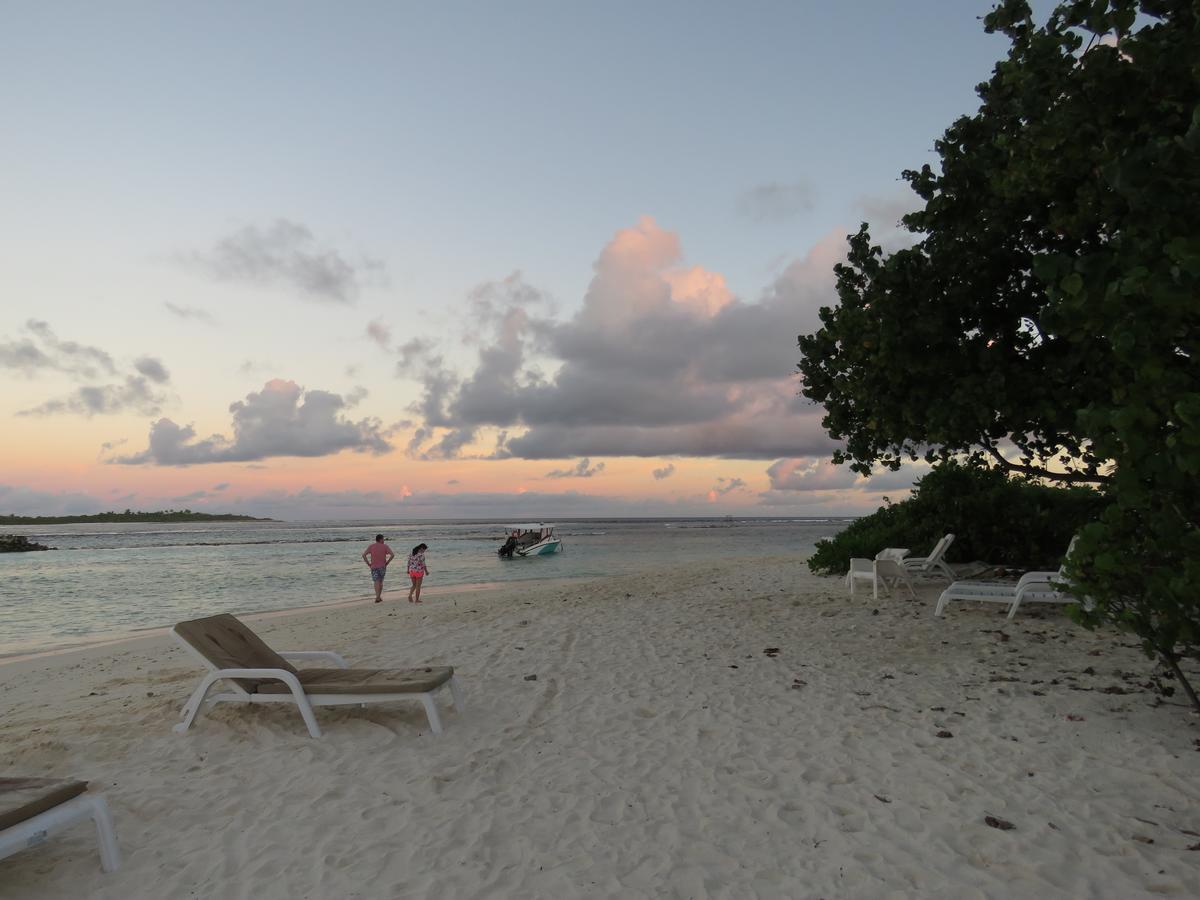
416 571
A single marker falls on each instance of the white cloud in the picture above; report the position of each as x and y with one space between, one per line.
776 202
582 469
660 360
42 351
286 254
189 312
283 419
45 351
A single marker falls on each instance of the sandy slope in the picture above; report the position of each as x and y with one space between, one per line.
659 753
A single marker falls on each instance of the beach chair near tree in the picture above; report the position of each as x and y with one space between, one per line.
31 809
934 563
1032 587
886 572
254 673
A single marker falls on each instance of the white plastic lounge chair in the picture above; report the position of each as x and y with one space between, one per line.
1040 587
860 570
896 553
255 673
886 572
32 808
1033 587
934 563
891 574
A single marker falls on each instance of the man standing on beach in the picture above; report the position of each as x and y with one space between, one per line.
377 556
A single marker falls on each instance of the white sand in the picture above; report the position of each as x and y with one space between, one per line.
641 762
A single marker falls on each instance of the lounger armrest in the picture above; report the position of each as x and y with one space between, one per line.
323 655
277 674
1038 578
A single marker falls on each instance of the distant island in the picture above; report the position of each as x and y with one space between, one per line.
162 515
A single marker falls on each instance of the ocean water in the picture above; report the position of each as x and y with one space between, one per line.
105 581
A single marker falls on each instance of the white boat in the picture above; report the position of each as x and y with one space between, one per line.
536 539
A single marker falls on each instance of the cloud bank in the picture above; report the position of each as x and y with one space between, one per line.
660 360
285 254
283 419
42 352
582 469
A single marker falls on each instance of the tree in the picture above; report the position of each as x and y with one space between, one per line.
1050 300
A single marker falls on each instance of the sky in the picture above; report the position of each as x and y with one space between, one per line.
526 260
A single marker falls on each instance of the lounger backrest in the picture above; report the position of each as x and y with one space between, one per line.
228 644
857 564
940 548
1062 570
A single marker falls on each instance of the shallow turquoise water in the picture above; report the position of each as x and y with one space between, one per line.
106 580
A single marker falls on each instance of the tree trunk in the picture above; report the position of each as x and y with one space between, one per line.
1173 663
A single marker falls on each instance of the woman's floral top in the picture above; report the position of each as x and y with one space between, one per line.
416 564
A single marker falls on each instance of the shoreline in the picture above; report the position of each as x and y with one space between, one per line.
116 639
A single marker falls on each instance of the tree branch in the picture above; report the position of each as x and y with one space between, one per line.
1069 477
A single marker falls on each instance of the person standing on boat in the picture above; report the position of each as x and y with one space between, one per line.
377 556
417 570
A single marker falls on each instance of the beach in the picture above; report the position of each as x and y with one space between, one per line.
710 730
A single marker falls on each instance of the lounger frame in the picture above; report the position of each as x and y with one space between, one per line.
36 830
886 571
305 702
1034 587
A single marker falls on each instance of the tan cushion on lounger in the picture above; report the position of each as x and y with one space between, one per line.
365 681
228 644
24 798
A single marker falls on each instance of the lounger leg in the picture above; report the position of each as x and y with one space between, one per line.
191 709
435 722
941 604
1012 610
456 693
306 712
106 834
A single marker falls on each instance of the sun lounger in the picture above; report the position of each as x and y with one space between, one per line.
886 572
934 563
1033 587
254 673
32 808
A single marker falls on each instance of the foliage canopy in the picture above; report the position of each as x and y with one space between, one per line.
1050 300
992 517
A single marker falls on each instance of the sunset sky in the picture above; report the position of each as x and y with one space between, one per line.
511 260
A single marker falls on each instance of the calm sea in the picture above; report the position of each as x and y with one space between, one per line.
104 581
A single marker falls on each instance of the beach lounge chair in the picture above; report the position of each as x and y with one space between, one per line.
934 563
1039 587
32 808
860 570
1033 587
886 572
254 673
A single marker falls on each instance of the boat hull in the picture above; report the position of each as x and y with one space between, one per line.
545 548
